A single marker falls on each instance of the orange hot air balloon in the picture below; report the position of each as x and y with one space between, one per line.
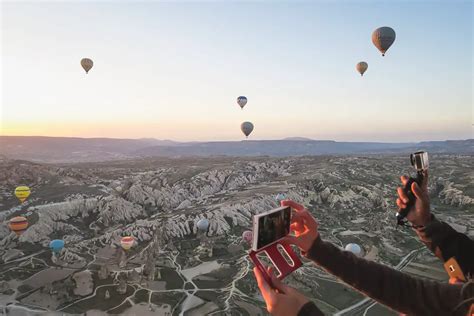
127 242
18 225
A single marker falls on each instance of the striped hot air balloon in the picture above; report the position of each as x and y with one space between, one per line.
18 225
127 242
22 193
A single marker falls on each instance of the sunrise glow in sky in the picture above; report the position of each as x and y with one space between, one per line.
174 70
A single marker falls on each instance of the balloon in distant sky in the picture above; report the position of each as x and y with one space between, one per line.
56 245
203 224
362 67
247 236
242 101
22 193
18 225
246 128
127 242
87 64
383 38
354 248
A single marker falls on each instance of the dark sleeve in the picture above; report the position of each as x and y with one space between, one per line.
446 242
310 309
399 291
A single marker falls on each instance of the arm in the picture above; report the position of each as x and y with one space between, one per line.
439 237
386 285
446 242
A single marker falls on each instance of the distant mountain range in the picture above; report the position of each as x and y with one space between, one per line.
70 149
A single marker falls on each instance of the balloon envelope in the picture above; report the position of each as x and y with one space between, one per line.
246 128
383 38
203 224
362 67
22 193
241 101
127 242
354 248
18 225
56 245
87 64
247 236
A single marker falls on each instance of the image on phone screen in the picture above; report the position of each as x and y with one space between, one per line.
273 226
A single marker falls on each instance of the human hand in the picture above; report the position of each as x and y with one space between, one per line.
280 298
303 224
420 214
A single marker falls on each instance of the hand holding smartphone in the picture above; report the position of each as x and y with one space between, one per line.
268 229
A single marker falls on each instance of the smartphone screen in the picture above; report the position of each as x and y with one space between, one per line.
273 226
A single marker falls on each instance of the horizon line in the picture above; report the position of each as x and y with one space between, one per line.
290 138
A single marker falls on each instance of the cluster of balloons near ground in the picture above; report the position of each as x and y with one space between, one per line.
382 38
19 224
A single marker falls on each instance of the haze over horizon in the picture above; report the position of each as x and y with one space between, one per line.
293 138
174 70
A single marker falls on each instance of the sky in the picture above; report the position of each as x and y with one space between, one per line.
173 70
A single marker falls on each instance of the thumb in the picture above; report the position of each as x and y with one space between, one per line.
417 191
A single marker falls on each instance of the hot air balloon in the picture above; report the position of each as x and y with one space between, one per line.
18 225
247 236
246 128
383 38
280 197
355 249
241 101
127 242
56 245
87 64
22 193
203 224
362 67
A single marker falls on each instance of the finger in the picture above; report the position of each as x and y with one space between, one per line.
425 180
417 191
291 240
404 179
293 205
402 195
267 292
400 204
309 220
303 217
276 282
297 227
297 219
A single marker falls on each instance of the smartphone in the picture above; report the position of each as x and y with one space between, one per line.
454 270
270 227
